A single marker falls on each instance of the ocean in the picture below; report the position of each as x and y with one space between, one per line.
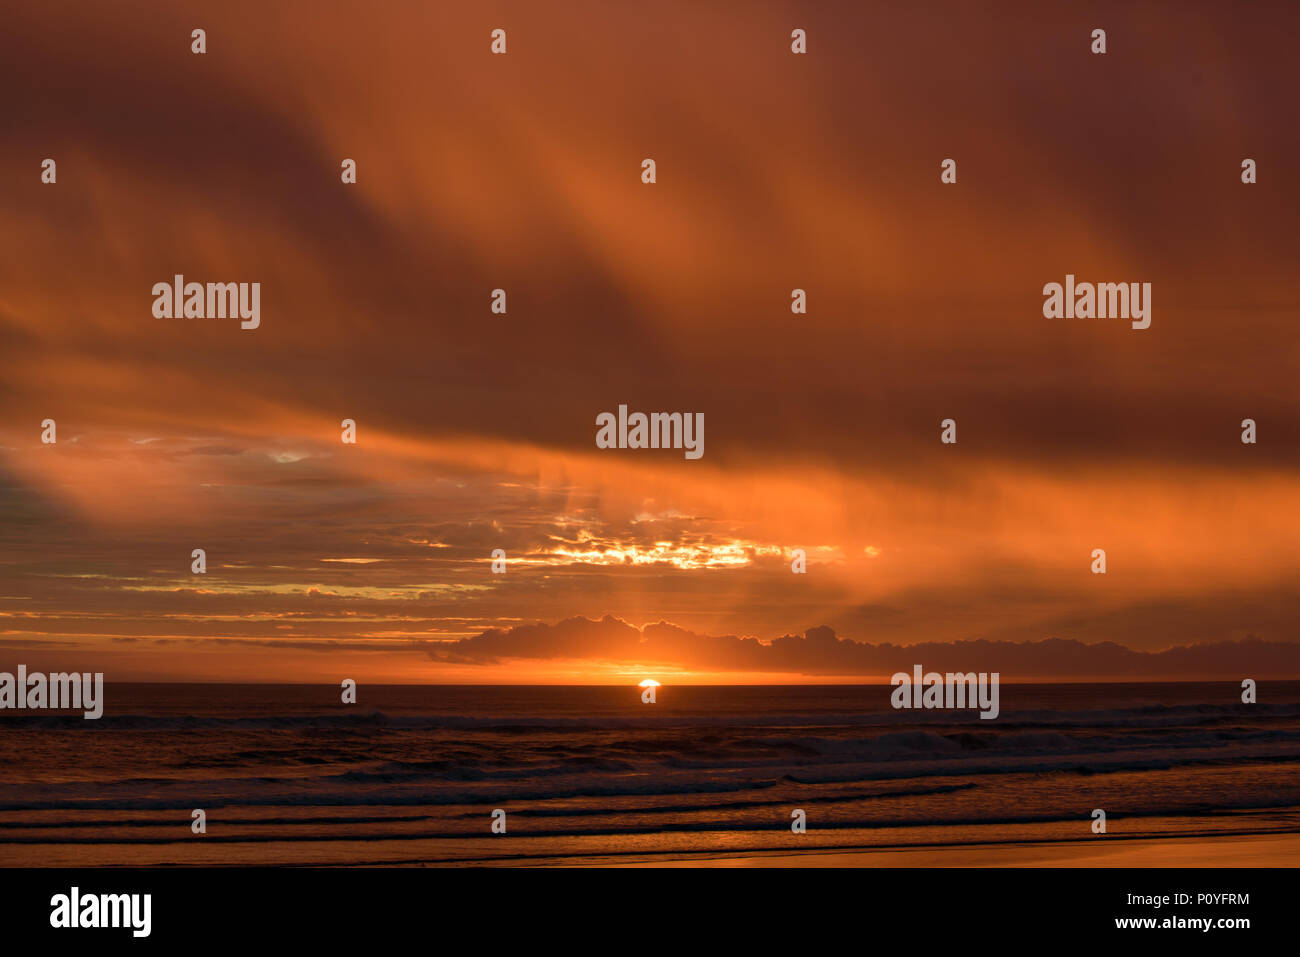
411 775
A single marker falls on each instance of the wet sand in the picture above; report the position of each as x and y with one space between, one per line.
1263 850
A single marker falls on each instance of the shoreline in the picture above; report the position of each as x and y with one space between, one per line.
1271 850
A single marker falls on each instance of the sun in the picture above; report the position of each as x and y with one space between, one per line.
649 683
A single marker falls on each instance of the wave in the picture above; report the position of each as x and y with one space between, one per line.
395 789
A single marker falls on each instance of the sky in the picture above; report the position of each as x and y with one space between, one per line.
476 431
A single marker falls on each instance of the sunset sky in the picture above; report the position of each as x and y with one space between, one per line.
476 431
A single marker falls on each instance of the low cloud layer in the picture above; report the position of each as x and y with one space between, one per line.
819 651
